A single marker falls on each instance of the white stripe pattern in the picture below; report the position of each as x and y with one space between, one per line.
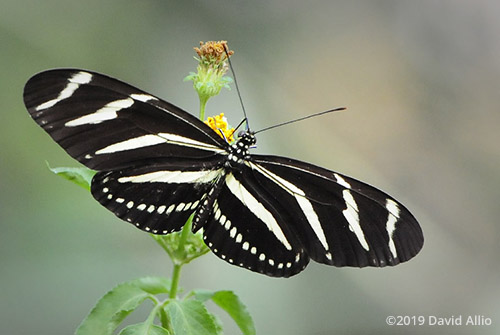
74 82
143 97
247 199
174 177
351 212
393 217
108 112
133 143
301 199
153 139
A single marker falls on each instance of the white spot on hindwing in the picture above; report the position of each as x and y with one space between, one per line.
170 209
161 209
232 232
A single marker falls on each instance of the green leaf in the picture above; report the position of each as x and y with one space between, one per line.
78 175
153 285
190 317
231 303
115 305
144 328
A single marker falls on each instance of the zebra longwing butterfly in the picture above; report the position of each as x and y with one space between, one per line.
158 164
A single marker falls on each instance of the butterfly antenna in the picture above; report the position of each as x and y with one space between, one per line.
237 89
239 125
301 119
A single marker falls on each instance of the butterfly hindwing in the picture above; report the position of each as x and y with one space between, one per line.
341 221
249 229
157 198
107 124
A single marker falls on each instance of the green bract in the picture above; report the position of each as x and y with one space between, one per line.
208 81
212 65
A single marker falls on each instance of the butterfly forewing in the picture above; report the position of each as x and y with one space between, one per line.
341 221
107 124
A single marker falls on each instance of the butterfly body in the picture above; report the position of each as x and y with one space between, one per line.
157 165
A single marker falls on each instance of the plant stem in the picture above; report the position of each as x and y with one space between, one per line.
180 261
175 281
186 230
203 103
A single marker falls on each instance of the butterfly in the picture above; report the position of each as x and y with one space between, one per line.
157 165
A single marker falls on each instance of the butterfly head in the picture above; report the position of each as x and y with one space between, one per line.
247 139
239 151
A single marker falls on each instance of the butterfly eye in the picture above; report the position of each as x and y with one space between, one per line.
241 133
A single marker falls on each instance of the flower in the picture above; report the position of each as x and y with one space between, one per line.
212 65
219 124
214 53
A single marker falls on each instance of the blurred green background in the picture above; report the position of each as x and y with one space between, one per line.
421 80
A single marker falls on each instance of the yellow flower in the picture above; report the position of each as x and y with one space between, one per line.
219 124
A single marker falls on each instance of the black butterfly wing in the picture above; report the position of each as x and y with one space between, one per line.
157 198
248 228
107 124
339 220
145 148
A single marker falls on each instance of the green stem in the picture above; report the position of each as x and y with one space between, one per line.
186 230
203 103
156 310
175 281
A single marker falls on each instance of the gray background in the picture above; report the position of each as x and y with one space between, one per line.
421 83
